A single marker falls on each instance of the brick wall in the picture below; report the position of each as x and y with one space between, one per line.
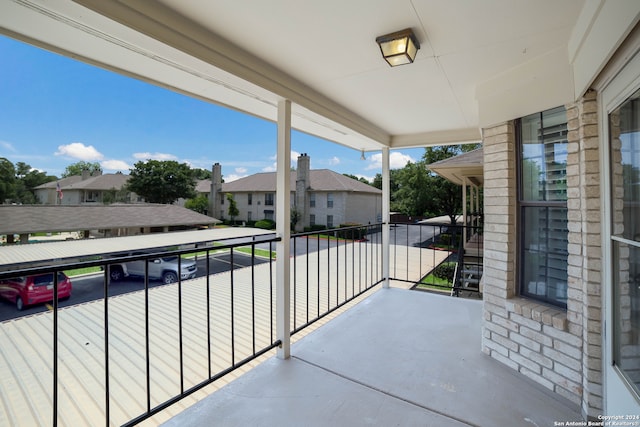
560 349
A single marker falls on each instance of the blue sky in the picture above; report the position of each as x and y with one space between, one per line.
56 111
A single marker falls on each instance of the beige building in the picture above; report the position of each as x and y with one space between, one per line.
86 189
320 197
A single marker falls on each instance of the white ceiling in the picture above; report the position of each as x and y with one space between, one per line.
322 55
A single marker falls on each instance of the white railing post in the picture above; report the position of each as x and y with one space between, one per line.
283 230
386 216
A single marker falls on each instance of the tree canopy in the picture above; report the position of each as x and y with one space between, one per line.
233 207
415 191
17 183
162 181
78 167
199 204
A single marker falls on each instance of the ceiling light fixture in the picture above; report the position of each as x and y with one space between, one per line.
362 157
399 48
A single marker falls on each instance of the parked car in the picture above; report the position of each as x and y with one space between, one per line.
29 290
165 269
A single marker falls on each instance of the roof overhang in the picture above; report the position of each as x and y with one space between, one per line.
464 169
480 63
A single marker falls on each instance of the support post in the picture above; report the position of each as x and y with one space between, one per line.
464 210
386 216
283 230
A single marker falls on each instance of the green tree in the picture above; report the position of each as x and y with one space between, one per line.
412 196
295 217
445 196
199 173
27 179
361 179
78 167
115 196
233 208
162 181
7 180
199 204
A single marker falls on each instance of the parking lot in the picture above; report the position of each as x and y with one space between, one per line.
91 287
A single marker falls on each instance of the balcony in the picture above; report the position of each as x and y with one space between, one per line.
381 355
397 358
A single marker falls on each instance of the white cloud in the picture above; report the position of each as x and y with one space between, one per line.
240 172
368 178
397 160
154 156
274 167
232 177
7 146
78 150
334 161
115 165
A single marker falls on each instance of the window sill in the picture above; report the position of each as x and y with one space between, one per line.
538 312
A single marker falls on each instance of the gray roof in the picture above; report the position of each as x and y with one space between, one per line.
203 186
44 253
50 218
62 181
321 180
463 167
100 182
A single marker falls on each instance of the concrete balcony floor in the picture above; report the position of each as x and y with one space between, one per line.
398 358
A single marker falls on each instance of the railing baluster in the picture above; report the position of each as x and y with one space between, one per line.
180 324
307 255
294 282
208 268
253 297
233 333
55 347
146 328
106 347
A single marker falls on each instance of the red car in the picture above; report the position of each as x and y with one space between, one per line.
24 291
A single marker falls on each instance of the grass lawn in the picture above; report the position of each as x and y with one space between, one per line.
429 280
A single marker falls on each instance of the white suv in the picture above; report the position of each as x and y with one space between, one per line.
165 269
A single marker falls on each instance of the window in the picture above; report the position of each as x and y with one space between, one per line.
329 221
222 199
268 199
249 216
250 199
312 220
312 200
624 130
268 215
542 202
329 200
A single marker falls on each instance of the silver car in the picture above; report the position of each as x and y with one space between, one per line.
165 269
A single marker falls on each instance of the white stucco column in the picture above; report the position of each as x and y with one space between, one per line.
386 215
283 219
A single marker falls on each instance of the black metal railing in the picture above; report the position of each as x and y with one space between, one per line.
141 346
433 256
327 265
153 346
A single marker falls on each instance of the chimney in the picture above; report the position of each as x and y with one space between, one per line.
216 189
303 183
85 174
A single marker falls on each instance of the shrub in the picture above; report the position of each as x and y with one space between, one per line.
315 227
445 238
445 271
352 233
265 224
